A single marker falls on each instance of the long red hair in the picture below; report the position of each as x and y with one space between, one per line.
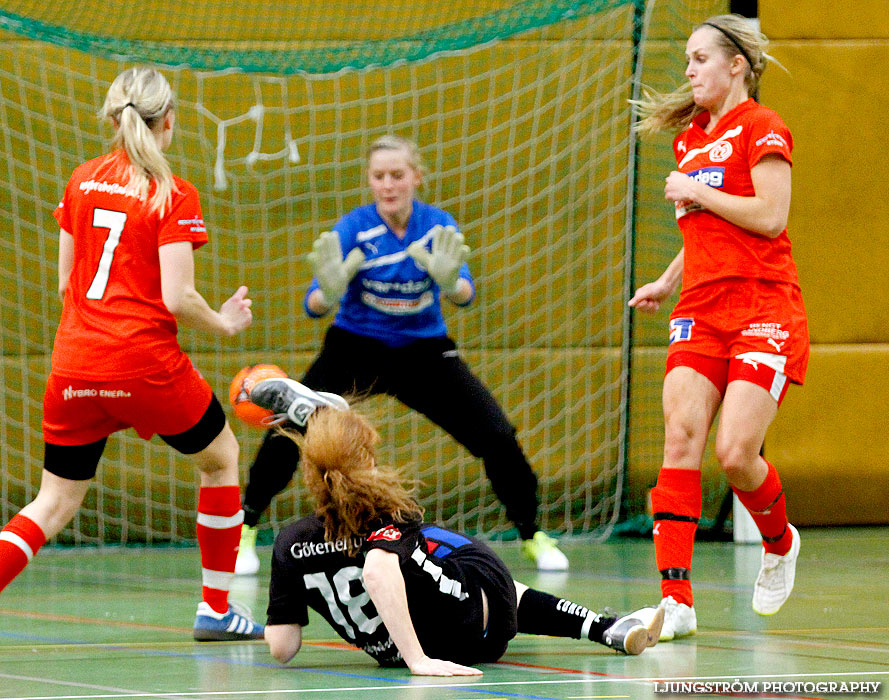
351 492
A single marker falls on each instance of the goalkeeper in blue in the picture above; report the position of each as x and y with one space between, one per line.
406 592
384 271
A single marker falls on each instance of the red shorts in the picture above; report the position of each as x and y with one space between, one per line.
79 411
754 323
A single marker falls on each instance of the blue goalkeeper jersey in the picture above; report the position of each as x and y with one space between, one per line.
391 298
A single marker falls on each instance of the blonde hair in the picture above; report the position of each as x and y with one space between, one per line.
351 493
399 143
137 101
735 36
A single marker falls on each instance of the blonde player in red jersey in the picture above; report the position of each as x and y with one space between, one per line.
126 275
738 335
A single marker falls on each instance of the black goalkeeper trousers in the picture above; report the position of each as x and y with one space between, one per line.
429 376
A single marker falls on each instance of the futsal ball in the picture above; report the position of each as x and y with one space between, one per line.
239 393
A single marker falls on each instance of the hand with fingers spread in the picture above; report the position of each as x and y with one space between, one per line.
426 666
236 311
448 254
330 269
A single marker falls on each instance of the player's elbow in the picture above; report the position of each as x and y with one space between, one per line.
378 570
775 227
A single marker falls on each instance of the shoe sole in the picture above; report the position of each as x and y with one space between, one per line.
201 635
640 638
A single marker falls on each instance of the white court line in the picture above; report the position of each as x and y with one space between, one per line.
126 692
425 686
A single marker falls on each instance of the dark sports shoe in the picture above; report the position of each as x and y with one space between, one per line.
291 401
631 636
234 626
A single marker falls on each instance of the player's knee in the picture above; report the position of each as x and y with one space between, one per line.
736 456
221 455
682 443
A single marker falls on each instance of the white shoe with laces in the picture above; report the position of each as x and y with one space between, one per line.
680 619
776 576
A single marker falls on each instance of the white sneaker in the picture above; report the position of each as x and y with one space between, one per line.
680 620
775 580
247 563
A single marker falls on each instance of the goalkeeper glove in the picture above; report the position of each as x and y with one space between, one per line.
332 272
443 263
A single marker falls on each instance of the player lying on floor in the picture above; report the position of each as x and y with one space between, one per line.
406 592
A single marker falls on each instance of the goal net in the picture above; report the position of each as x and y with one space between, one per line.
521 112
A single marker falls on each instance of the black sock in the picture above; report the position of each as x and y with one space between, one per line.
542 613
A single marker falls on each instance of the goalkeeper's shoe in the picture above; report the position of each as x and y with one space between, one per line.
290 401
544 551
631 635
247 563
234 626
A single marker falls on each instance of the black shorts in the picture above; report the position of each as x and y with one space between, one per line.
79 462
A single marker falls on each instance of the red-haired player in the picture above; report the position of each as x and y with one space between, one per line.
126 275
738 335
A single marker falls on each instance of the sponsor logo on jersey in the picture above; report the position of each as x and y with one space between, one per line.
300 550
721 151
195 225
680 329
772 139
88 186
681 147
70 392
398 306
731 133
390 533
713 175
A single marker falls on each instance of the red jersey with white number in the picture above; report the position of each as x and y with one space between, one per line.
114 322
714 248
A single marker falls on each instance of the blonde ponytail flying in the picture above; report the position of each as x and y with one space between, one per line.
138 100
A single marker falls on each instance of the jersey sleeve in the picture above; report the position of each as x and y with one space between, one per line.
398 538
184 221
769 134
287 589
63 211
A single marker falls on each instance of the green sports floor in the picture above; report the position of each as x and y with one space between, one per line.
117 624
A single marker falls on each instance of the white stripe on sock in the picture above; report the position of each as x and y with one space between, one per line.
219 580
585 630
17 540
221 522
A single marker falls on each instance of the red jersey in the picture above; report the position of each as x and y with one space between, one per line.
714 248
114 322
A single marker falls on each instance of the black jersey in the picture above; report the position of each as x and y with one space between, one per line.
444 573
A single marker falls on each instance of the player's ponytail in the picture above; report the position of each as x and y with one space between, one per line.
674 111
351 492
137 102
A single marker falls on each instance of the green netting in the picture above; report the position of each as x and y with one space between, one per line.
467 33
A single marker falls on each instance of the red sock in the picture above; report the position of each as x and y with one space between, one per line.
19 542
219 533
676 504
766 505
